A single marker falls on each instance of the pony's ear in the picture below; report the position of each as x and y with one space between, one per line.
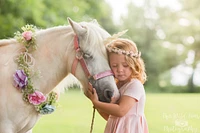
95 21
77 28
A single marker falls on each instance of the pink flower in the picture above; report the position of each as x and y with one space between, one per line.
36 98
27 35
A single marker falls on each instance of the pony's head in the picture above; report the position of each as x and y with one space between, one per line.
90 40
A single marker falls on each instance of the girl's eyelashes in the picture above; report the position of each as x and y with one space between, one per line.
113 65
125 65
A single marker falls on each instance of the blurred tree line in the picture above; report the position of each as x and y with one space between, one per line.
48 13
167 38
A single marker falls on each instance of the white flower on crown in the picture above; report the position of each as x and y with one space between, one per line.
120 52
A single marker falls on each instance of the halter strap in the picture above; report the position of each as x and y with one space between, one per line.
79 58
103 74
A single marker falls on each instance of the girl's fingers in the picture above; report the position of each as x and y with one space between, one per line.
90 89
89 92
94 90
113 100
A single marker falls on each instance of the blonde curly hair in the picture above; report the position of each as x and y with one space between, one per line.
135 62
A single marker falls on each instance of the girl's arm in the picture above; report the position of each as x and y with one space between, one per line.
103 114
119 110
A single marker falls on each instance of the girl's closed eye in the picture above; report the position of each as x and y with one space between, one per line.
114 65
125 65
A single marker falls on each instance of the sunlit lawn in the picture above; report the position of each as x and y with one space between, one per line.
165 113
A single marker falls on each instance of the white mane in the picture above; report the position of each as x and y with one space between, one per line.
96 36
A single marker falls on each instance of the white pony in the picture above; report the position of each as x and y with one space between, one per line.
53 57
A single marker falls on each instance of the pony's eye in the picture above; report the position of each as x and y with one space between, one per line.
86 55
83 26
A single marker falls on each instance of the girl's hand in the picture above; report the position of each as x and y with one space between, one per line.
91 94
113 100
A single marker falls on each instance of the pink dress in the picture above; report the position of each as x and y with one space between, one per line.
134 121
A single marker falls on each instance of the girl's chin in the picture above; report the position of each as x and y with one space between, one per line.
123 79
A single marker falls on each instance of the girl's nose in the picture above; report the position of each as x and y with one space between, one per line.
119 69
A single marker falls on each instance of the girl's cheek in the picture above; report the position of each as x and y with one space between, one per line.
115 71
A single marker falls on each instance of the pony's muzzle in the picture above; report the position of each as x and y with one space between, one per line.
108 95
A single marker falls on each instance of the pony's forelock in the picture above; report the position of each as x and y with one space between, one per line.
96 36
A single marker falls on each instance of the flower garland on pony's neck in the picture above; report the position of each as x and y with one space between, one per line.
22 77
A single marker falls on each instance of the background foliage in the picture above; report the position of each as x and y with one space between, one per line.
167 38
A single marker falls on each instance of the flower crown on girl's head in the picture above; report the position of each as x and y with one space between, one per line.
109 41
120 51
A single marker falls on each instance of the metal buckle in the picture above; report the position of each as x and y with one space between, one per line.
79 54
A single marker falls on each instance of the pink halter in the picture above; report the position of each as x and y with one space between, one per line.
79 58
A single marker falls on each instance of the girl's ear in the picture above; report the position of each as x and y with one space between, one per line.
77 28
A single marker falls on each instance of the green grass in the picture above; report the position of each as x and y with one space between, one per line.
165 113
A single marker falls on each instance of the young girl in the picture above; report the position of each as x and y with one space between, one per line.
127 115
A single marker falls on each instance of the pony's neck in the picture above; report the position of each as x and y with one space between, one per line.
50 57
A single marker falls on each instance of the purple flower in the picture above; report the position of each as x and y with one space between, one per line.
20 79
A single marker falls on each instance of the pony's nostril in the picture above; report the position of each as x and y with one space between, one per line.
108 94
